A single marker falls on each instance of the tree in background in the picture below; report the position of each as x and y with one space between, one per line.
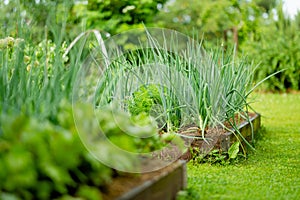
277 48
37 18
10 18
114 16
228 21
75 16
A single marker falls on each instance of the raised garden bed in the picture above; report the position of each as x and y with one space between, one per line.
218 138
161 184
166 182
245 128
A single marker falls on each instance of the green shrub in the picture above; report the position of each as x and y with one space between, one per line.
277 49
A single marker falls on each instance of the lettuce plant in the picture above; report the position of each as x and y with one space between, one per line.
39 159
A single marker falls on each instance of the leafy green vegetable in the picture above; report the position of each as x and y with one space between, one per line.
39 159
150 99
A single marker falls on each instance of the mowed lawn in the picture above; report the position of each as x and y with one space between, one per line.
271 172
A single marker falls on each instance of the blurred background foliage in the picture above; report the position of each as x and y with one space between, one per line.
258 28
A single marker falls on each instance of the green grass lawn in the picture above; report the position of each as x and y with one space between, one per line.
271 172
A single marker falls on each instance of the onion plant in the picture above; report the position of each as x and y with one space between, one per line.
172 75
35 77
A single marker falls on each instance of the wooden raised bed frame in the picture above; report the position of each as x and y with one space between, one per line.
164 186
165 183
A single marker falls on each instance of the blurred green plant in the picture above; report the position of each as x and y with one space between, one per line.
40 59
76 16
115 16
250 26
229 22
33 75
40 16
277 52
143 136
34 163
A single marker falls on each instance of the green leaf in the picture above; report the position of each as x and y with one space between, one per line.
89 193
234 150
9 196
